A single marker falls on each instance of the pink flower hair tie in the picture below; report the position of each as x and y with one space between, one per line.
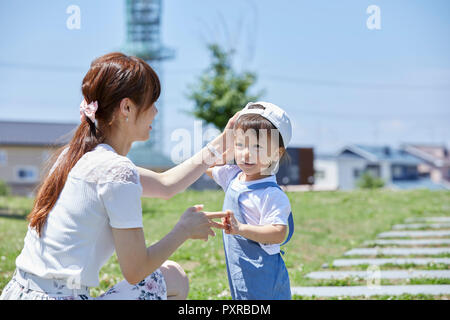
88 110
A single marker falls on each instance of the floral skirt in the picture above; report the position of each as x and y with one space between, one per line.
151 288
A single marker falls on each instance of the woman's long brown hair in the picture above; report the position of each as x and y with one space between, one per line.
110 79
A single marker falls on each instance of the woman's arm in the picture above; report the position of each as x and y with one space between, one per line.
175 180
167 184
137 262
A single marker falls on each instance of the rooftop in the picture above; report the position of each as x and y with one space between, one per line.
381 153
35 133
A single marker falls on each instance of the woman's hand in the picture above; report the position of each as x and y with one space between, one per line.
196 224
232 121
224 143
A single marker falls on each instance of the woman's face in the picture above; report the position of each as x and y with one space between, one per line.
143 123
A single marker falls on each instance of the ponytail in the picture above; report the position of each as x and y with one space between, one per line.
85 139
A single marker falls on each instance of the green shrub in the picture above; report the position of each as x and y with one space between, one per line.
4 189
368 181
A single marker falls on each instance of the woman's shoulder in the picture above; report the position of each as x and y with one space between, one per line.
103 165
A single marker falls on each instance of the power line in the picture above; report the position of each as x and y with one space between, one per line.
40 67
355 85
268 76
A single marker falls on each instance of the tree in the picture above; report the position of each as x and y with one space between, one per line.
368 181
220 91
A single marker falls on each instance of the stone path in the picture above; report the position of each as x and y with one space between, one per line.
421 225
433 236
414 234
415 242
396 261
397 251
428 219
355 291
390 274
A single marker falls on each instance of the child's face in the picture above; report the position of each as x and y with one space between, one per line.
255 155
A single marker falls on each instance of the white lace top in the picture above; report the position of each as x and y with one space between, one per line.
102 191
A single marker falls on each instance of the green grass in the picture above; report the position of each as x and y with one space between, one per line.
326 225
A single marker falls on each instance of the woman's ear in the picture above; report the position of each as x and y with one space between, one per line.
125 107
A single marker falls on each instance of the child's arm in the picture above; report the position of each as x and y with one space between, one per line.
267 234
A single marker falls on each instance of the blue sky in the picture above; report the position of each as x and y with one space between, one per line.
339 81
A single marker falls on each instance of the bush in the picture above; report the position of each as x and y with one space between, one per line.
4 189
367 181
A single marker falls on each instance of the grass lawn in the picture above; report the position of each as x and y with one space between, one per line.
326 225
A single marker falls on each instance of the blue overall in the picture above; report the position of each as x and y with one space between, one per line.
253 274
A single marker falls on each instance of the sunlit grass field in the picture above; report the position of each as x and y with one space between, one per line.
326 225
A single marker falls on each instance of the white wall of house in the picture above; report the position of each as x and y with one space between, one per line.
326 175
349 171
385 171
22 166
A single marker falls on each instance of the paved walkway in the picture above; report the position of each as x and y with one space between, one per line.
434 237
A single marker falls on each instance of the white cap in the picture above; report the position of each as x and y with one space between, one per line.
274 114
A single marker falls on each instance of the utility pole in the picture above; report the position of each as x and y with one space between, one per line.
143 40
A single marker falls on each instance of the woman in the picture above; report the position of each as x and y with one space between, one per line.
89 205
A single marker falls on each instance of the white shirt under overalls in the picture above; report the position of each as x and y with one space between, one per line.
102 191
260 206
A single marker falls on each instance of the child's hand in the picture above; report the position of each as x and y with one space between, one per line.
232 225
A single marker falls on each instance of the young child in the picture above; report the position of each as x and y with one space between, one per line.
259 212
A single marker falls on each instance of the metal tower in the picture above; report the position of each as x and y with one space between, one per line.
143 19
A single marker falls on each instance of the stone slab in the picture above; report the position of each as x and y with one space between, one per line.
428 219
397 251
412 226
408 242
414 234
354 291
382 274
397 261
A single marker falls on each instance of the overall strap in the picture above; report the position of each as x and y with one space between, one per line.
229 182
290 219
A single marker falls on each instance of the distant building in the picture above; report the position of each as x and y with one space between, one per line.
435 161
25 147
299 170
397 168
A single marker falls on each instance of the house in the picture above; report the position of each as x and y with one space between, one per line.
397 168
299 169
435 161
24 149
